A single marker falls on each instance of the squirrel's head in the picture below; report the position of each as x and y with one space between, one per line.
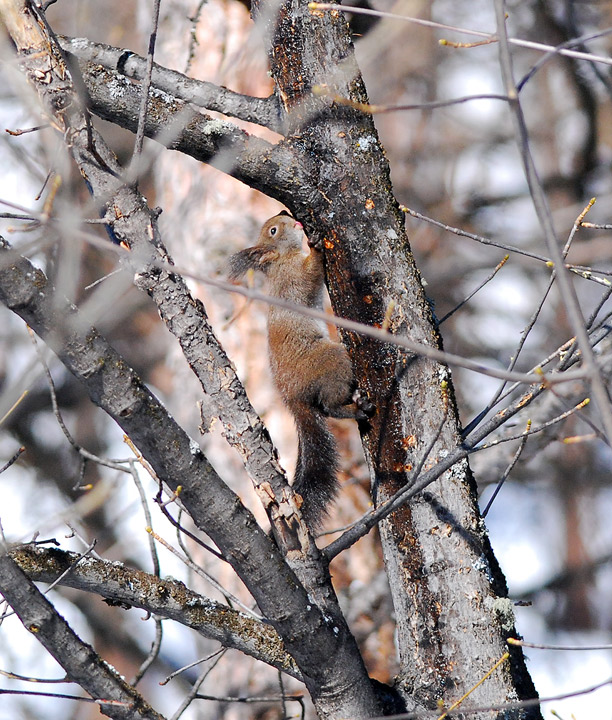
281 232
280 235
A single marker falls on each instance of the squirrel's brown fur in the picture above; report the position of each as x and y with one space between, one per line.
312 373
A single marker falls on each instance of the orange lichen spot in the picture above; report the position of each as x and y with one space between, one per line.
341 134
400 467
368 299
369 204
525 399
409 441
328 243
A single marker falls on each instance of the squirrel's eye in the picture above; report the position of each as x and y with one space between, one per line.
273 230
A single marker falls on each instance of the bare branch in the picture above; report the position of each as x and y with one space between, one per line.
263 111
165 598
78 659
568 292
489 37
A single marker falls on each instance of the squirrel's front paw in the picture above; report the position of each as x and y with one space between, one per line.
364 405
316 244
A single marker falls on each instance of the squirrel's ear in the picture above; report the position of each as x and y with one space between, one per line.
284 212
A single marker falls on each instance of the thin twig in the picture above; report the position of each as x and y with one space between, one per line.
263 698
195 663
539 646
69 569
23 131
193 693
488 279
557 51
363 526
472 236
162 505
508 470
12 460
588 275
145 86
25 678
115 465
567 290
488 674
370 109
63 696
156 646
465 31
532 431
181 529
202 573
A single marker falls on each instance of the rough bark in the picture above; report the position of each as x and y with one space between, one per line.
263 111
82 664
162 597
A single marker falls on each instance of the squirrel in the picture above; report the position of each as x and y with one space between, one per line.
312 373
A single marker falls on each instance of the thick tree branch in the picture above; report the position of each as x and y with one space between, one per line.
330 665
166 598
176 125
262 111
81 663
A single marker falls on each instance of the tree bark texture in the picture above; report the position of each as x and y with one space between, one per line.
162 597
82 664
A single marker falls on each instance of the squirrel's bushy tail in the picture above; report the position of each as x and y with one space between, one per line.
315 472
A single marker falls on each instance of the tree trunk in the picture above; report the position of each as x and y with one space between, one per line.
448 590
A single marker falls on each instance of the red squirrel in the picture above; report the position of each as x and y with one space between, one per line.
313 374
